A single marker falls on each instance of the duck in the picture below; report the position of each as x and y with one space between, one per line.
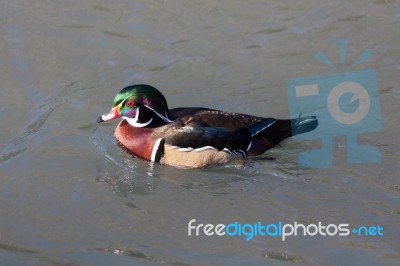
193 137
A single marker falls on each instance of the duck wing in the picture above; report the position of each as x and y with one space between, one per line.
192 132
215 118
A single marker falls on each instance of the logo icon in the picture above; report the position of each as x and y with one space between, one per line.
346 104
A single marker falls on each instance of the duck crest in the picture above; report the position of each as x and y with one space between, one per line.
147 96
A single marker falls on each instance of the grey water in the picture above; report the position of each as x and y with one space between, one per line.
70 196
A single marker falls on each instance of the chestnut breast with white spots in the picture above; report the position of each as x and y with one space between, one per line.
135 140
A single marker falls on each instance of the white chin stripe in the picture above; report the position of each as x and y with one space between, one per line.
133 122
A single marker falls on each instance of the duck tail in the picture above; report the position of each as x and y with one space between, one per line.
303 124
286 128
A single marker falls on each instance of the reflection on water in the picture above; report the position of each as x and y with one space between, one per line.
70 196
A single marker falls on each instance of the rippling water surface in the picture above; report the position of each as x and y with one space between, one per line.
70 196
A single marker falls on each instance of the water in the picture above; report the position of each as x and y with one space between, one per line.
70 196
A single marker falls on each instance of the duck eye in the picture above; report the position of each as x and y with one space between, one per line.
130 104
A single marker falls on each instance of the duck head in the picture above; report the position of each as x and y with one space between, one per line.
140 105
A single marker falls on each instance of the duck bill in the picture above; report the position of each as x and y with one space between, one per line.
113 114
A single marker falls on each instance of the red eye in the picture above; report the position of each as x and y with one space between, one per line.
130 104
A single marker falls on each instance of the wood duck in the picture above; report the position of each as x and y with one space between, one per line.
193 137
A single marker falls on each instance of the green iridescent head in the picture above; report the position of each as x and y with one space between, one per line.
139 105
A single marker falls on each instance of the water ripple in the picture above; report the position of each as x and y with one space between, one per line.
22 141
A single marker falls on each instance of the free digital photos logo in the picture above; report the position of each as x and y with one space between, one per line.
346 104
280 229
